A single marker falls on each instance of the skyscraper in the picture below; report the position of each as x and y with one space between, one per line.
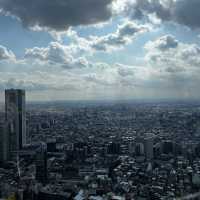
148 144
15 119
144 145
41 163
2 141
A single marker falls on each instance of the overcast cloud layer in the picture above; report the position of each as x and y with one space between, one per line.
101 49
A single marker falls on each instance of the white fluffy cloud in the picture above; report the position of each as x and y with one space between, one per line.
174 66
171 69
41 81
168 52
6 54
163 43
124 35
57 54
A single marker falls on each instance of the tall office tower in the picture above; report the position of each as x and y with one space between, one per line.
15 119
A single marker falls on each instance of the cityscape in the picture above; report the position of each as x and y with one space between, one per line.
99 99
98 150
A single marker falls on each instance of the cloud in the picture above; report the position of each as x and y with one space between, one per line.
169 79
173 68
30 85
125 71
73 55
185 12
54 52
140 9
6 54
57 54
163 43
123 36
168 52
37 81
99 80
58 14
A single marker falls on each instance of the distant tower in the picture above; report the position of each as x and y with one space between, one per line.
148 144
15 119
41 163
2 141
145 145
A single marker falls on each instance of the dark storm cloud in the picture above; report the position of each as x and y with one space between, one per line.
140 8
57 14
185 12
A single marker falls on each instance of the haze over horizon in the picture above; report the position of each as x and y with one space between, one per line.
100 49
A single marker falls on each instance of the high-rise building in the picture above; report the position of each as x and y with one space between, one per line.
41 163
2 136
114 148
15 120
148 144
144 145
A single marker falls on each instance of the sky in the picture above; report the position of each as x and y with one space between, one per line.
100 49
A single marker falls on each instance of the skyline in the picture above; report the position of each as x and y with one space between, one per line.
100 49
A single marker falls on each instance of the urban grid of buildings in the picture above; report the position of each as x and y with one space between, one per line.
98 150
